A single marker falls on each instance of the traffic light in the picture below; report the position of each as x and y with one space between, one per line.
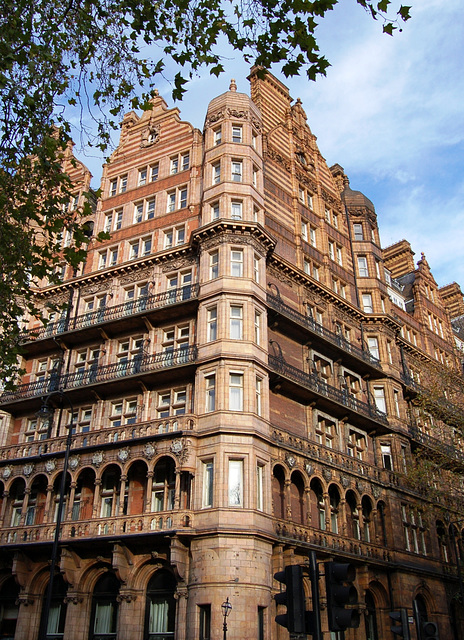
429 630
339 595
402 628
293 599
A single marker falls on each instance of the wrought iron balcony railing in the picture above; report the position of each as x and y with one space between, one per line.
441 447
109 314
315 327
105 373
315 383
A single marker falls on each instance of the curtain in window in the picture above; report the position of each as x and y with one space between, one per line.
104 617
159 609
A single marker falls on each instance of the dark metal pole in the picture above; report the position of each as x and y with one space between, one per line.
59 516
458 563
316 615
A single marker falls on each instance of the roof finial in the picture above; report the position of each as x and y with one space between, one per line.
233 86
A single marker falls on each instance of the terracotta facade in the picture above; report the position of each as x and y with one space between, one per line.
241 361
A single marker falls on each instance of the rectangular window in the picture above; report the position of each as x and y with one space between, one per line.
183 198
257 327
385 450
146 246
256 263
236 391
134 250
123 184
259 487
236 133
258 389
367 303
335 220
185 161
379 399
154 172
327 214
304 231
339 255
174 165
236 322
236 263
212 324
331 250
215 211
255 177
301 195
171 205
118 224
312 236
205 621
210 387
208 479
138 212
396 399
213 265
358 232
108 223
235 483
236 210
237 170
113 187
373 345
216 173
362 267
142 177
218 136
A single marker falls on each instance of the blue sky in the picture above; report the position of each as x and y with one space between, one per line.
391 112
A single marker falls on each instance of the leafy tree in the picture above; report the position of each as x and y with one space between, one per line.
101 55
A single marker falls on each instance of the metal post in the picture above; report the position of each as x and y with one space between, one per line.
59 516
316 613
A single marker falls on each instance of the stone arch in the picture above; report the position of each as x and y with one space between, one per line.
367 522
37 500
84 495
136 487
334 505
352 515
317 504
278 491
297 497
160 607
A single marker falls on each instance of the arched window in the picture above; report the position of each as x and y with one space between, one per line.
56 496
109 492
297 498
366 519
103 623
160 614
278 492
382 522
317 504
442 541
370 618
334 500
354 530
57 613
420 610
137 481
8 609
164 483
84 495
16 499
36 501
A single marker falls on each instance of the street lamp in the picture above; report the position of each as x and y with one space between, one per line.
45 412
226 609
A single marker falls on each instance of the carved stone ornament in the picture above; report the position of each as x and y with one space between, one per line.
50 466
360 486
235 113
143 274
126 597
309 468
150 135
74 462
176 447
25 600
73 599
376 491
149 451
291 461
331 200
178 263
273 154
327 474
94 288
28 469
344 480
256 124
123 454
7 471
97 458
214 117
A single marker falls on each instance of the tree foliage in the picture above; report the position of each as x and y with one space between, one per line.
102 55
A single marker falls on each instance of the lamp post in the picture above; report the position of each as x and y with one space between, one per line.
226 609
44 412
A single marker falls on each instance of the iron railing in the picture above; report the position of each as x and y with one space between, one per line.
315 327
96 374
315 383
109 314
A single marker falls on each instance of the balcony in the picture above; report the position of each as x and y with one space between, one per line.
333 344
449 455
130 313
438 406
118 376
312 388
83 530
